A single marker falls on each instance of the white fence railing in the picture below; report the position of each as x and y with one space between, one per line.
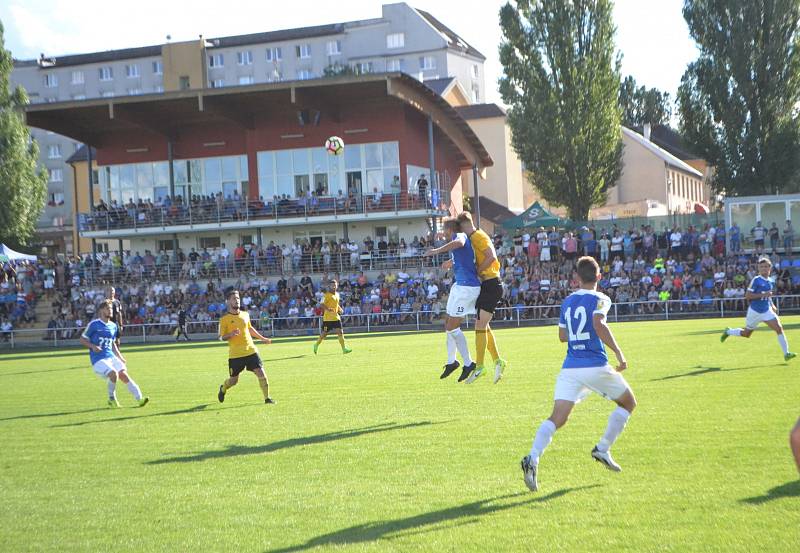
403 321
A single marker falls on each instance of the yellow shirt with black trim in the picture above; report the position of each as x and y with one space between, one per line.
331 304
481 242
241 345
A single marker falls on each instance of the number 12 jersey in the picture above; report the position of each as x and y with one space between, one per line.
584 347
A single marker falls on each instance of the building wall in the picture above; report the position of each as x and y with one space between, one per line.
184 59
80 174
643 175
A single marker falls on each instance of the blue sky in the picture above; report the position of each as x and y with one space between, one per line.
651 34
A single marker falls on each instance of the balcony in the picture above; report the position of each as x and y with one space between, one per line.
145 218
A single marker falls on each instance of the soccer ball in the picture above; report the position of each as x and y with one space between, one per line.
335 146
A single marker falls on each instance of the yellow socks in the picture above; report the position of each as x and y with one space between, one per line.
264 384
491 345
480 346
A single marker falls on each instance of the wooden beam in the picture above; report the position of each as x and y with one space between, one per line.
223 108
142 119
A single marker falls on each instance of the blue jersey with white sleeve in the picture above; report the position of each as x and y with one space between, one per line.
103 335
758 285
464 269
584 347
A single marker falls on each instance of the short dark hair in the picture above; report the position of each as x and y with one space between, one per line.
230 291
588 269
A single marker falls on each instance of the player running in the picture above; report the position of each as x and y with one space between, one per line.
331 319
101 337
235 328
582 324
491 293
761 309
181 329
461 300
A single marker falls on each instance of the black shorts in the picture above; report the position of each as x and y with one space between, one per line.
238 364
327 326
490 295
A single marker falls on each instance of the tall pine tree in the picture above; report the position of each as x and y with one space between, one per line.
23 187
738 101
561 80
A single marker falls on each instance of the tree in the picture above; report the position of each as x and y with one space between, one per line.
642 105
738 100
337 69
23 187
561 81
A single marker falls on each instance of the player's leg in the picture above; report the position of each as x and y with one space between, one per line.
544 435
456 341
499 363
609 383
750 324
340 335
105 370
481 342
775 324
322 336
257 369
794 442
235 367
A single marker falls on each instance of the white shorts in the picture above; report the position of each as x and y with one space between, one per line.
108 365
545 254
575 384
462 300
754 318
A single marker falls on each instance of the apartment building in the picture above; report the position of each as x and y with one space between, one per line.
403 39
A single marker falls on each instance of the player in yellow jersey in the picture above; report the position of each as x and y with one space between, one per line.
330 317
491 293
235 328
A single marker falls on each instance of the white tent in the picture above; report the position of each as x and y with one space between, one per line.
15 256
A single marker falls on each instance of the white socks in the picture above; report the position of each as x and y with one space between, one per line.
461 343
734 332
784 344
616 424
543 438
134 389
112 389
451 347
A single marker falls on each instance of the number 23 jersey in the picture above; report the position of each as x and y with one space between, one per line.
103 335
584 347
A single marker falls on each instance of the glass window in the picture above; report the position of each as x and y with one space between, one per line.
391 155
373 154
160 192
773 212
300 161
144 178
161 172
794 215
126 176
285 185
745 216
213 188
266 186
283 162
374 180
301 184
213 171
181 172
230 168
265 162
321 184
319 160
352 157
243 172
229 189
391 181
113 176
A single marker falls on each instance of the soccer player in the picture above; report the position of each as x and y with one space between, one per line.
101 337
491 293
330 317
116 311
235 328
582 325
181 324
761 309
463 295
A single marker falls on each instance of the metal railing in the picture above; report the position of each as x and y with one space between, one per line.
404 321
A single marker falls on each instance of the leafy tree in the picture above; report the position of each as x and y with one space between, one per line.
642 105
561 81
337 69
738 101
23 187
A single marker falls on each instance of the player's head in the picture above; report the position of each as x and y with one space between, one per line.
112 293
465 222
104 309
588 270
764 266
334 285
451 226
232 299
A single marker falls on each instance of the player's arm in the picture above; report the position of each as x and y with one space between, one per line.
121 321
85 341
224 335
447 265
604 333
115 349
458 242
256 334
751 295
562 334
488 258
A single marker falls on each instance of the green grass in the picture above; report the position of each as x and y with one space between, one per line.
372 452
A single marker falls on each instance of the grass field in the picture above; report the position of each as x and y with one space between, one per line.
372 452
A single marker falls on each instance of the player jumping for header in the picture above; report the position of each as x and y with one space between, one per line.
101 337
761 309
582 324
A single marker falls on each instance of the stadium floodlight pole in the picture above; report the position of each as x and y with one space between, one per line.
432 171
476 197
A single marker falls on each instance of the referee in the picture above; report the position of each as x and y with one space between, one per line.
116 311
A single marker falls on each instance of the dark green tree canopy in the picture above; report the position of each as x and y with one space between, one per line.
561 81
22 186
642 105
738 101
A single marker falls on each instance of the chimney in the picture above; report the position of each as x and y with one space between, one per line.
647 131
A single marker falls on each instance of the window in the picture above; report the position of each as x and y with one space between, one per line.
474 71
132 71
165 245
50 80
217 83
56 175
274 75
56 198
274 54
244 58
303 74
395 40
303 51
427 62
334 47
210 242
106 73
54 151
395 65
246 79
184 83
363 67
107 94
79 96
216 60
78 77
134 91
159 88
158 68
476 94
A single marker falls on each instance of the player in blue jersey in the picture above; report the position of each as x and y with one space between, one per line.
100 337
461 300
582 325
761 309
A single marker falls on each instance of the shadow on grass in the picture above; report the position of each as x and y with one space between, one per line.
44 371
188 410
790 326
708 370
60 414
237 450
790 489
451 517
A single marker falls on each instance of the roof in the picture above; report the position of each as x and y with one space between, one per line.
440 86
670 140
661 153
89 121
455 41
297 33
480 111
493 211
80 155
